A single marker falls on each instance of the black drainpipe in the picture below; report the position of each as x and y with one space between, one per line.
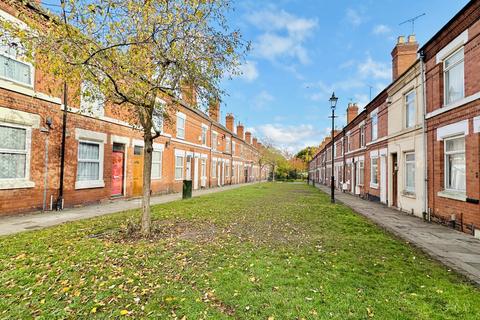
59 205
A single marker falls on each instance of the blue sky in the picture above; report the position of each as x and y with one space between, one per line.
305 49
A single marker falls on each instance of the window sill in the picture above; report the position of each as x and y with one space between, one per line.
89 184
374 185
16 184
409 194
455 195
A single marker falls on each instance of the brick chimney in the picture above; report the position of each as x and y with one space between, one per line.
403 55
352 111
240 131
229 121
189 93
254 142
214 110
248 137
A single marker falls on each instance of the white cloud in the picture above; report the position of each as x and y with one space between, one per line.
381 29
283 34
248 71
354 17
375 69
292 138
261 100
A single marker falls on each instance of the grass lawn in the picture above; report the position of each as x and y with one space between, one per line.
267 251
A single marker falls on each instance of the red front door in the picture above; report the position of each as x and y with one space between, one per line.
117 173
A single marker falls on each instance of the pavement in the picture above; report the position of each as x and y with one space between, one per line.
39 220
457 250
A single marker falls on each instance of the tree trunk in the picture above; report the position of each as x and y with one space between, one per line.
147 177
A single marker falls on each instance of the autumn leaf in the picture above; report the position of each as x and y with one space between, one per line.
124 312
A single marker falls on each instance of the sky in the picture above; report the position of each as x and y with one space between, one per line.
303 50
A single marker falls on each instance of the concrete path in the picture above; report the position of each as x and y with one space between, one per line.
455 249
40 220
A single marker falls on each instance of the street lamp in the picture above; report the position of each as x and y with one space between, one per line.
333 103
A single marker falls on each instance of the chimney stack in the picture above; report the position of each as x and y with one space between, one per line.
240 131
352 111
403 55
189 93
248 137
229 121
254 142
214 110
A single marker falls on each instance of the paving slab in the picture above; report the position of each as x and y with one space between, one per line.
457 250
39 220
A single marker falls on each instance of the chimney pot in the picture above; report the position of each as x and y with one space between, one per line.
401 39
403 55
411 38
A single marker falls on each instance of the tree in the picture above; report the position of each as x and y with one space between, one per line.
306 154
135 54
270 156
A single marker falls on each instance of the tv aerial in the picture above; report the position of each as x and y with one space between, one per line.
412 21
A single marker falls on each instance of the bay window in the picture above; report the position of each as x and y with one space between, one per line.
453 77
410 172
455 166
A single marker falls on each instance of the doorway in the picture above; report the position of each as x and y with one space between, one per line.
118 169
394 180
137 170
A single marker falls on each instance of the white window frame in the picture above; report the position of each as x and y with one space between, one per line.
446 169
86 184
228 144
214 140
18 60
213 172
374 184
181 129
181 167
374 125
157 163
204 134
16 183
406 187
360 173
446 70
234 144
413 106
362 136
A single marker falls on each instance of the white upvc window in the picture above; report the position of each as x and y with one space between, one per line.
214 140
12 64
203 172
233 147
374 123
453 77
179 160
204 134
157 164
14 152
410 172
410 109
362 135
349 143
360 173
374 172
455 166
214 169
92 101
181 119
227 144
227 169
90 161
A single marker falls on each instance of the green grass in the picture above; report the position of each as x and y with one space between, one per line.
266 251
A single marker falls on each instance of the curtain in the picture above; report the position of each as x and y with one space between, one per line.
457 171
88 162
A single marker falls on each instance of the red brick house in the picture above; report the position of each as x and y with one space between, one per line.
103 151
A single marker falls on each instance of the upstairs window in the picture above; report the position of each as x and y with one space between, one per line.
12 64
181 119
453 77
455 166
410 109
362 135
157 120
227 144
374 119
92 101
204 135
233 147
214 140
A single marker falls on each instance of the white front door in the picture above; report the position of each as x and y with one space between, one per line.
195 174
204 172
383 179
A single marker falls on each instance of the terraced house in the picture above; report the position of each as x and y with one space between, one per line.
416 145
103 151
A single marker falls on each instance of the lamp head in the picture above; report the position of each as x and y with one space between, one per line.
333 101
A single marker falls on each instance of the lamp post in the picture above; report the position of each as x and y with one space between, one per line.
333 103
